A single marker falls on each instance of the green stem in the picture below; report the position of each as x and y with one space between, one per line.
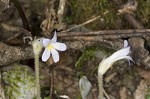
100 82
37 75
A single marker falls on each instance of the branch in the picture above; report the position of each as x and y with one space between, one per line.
87 22
10 54
22 14
131 32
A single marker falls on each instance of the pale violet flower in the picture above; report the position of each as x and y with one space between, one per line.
64 96
85 87
125 43
106 63
51 47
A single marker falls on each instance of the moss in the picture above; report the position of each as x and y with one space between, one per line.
83 10
19 82
143 12
91 53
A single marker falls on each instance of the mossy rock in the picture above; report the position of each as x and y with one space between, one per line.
19 82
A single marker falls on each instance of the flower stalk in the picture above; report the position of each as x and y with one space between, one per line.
51 46
106 63
37 47
100 83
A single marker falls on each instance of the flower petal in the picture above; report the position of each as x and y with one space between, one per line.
54 39
45 42
59 46
120 53
124 57
85 87
55 55
46 55
125 43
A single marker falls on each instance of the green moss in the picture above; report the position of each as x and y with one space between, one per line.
148 94
143 12
90 53
83 10
19 82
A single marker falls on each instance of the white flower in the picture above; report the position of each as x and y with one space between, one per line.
85 87
51 47
118 55
64 96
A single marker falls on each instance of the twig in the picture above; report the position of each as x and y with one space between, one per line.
9 27
131 19
107 32
106 94
47 25
22 14
53 19
21 32
10 54
104 37
14 36
129 7
61 9
51 82
87 22
135 23
77 42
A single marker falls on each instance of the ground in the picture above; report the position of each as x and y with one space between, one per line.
82 58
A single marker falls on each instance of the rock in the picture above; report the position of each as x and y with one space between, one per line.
19 82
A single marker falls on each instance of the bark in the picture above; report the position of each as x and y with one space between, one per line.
10 54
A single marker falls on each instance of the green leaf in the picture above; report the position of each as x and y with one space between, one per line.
147 96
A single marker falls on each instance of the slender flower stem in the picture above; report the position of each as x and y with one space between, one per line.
37 75
100 82
37 47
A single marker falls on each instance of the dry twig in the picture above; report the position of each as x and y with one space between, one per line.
22 14
61 8
53 20
131 32
129 7
87 22
129 17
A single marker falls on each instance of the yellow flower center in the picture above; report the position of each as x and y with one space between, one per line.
49 46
